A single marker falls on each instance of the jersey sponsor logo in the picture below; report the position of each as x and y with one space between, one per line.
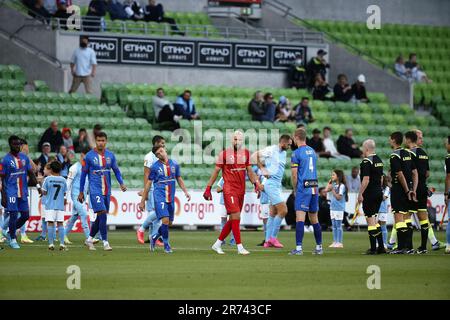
406 158
423 157
378 164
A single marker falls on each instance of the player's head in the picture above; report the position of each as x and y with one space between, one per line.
396 139
300 136
100 141
47 168
386 181
55 167
158 141
237 139
14 144
160 153
285 142
83 153
419 134
368 147
410 139
24 146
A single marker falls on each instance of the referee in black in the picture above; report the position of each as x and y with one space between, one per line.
403 192
420 159
371 194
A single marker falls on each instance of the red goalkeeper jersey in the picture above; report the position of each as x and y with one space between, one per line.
234 168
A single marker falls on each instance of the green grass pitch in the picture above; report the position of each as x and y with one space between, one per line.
194 271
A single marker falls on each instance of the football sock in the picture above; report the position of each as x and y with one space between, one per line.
225 231
102 226
379 236
409 234
269 225
340 231
146 223
402 230
317 233
236 230
44 228
431 236
299 232
334 231
51 234
94 227
23 231
384 233
165 233
393 238
70 223
372 230
276 226
61 234
12 224
424 225
155 226
24 215
84 225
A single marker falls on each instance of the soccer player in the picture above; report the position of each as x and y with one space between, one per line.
163 174
151 220
371 195
234 163
97 166
305 183
14 169
79 209
404 185
383 211
223 213
447 192
55 188
272 161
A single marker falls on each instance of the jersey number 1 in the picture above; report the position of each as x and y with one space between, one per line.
311 165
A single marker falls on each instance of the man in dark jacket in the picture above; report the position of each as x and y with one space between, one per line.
256 106
317 65
185 106
155 12
44 157
53 136
347 146
39 12
342 90
297 74
359 89
94 16
62 14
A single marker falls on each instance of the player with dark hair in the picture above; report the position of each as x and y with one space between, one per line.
14 169
371 194
404 186
305 184
97 166
234 163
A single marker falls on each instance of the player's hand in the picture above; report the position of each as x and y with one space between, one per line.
360 198
81 197
207 194
188 196
140 193
123 187
141 206
413 196
65 202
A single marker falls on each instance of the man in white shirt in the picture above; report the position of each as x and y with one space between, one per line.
83 66
329 145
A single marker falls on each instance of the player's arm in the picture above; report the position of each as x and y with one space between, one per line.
117 173
337 195
31 173
294 172
365 173
70 178
147 187
183 187
84 172
415 178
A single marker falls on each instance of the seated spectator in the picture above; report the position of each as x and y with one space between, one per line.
347 146
61 14
95 16
91 135
416 71
185 106
354 181
401 70
329 145
44 157
155 12
81 142
63 158
270 107
256 106
50 6
297 74
303 113
342 90
317 65
359 89
39 12
133 10
116 10
68 142
53 136
284 111
316 143
164 111
321 90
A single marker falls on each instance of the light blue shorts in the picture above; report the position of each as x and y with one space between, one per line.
273 192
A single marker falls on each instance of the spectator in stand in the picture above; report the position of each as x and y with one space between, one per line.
63 158
354 181
61 14
155 12
53 136
324 209
321 90
81 142
303 113
316 143
133 10
83 66
68 142
164 111
416 71
401 70
359 89
284 111
297 74
342 90
91 135
185 106
50 6
256 106
116 10
95 21
347 146
44 157
270 107
39 11
317 65
329 145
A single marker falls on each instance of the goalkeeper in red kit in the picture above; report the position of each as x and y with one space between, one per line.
234 163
